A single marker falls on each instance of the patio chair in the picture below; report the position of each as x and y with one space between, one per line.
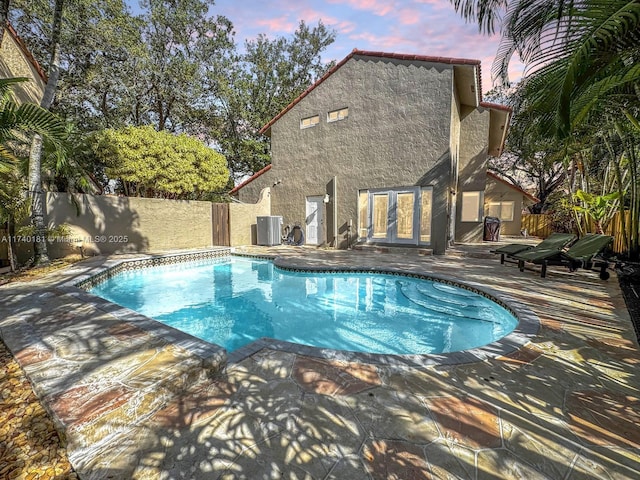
585 253
554 241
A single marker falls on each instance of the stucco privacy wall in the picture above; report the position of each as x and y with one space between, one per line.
14 64
107 224
397 134
110 224
242 219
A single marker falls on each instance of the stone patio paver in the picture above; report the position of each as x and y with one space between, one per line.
134 404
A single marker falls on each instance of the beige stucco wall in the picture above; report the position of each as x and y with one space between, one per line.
499 192
252 191
472 167
397 134
110 224
14 64
242 218
104 224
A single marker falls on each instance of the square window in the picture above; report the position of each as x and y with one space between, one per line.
309 122
337 115
471 202
503 210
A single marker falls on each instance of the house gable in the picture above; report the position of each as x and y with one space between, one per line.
466 83
492 177
506 200
17 61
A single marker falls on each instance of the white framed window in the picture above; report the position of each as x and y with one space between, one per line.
502 210
338 115
471 207
309 122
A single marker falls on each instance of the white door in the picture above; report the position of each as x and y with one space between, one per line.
314 220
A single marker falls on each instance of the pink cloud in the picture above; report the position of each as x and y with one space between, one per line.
279 24
343 27
377 7
408 16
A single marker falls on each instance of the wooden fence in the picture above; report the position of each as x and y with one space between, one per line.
220 224
539 225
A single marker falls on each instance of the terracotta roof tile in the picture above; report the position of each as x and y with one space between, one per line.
25 51
515 187
496 106
250 179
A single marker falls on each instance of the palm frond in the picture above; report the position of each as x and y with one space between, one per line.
41 121
6 87
600 91
486 13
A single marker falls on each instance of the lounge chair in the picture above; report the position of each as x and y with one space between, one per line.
555 241
585 253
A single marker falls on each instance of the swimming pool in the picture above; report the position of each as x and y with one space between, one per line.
235 301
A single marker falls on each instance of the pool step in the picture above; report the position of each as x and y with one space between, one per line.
415 295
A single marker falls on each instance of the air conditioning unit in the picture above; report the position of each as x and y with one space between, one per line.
268 230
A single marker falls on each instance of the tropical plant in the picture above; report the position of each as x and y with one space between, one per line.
14 207
597 208
148 163
581 88
18 123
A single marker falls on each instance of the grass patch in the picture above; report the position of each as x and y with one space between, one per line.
35 273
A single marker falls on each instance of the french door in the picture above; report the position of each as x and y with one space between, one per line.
394 215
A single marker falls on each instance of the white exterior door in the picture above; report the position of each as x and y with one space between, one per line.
314 220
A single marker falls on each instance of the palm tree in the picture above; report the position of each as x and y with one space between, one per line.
583 73
18 123
588 47
41 256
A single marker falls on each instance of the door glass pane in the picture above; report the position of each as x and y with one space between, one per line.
404 212
425 215
363 210
380 215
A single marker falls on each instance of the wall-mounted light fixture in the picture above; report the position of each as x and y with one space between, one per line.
326 198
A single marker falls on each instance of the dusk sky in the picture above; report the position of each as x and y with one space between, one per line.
424 27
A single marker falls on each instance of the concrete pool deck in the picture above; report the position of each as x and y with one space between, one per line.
132 402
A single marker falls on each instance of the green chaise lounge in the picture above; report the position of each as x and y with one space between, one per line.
555 241
582 254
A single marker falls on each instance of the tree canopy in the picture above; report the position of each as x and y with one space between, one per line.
148 163
176 66
578 105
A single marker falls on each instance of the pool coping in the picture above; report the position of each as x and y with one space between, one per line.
215 357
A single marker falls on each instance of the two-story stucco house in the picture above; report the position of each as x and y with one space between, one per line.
384 149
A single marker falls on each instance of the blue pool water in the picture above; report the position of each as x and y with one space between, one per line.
238 300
